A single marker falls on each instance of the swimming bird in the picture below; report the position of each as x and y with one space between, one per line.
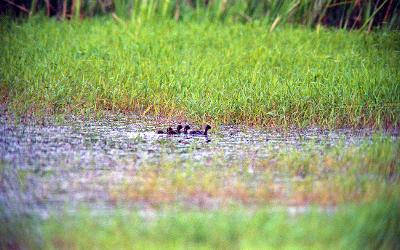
160 132
178 129
198 132
170 131
186 129
166 132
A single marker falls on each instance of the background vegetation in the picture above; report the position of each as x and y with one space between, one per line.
362 14
222 62
268 63
202 71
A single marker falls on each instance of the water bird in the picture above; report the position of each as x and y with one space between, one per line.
198 132
179 128
170 131
165 132
160 132
186 129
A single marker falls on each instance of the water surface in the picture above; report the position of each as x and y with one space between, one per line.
79 161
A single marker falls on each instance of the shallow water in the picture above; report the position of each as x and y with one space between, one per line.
104 143
80 161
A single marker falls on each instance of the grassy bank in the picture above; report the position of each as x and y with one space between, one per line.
230 73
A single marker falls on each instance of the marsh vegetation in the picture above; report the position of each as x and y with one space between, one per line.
303 98
203 71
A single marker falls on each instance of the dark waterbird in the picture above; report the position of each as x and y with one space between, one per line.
178 129
162 131
168 131
186 129
198 132
171 131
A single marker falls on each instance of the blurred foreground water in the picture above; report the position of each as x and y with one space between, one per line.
50 167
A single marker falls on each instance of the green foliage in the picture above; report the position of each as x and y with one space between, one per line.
363 14
232 73
369 226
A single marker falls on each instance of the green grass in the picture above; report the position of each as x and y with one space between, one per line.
370 226
218 72
367 226
221 73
